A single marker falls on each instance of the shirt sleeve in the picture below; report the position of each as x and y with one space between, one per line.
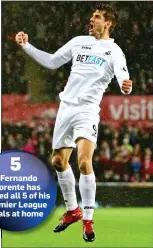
50 61
120 68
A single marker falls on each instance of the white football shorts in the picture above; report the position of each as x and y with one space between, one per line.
75 121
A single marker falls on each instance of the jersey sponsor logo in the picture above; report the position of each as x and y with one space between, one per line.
90 59
88 207
85 47
108 53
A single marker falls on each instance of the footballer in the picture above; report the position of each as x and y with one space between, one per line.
96 59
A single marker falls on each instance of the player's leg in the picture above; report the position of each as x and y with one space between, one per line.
62 149
85 136
63 145
60 160
87 185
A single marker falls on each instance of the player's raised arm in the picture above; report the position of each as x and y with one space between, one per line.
121 71
50 61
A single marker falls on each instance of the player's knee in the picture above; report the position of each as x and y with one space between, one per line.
84 164
57 162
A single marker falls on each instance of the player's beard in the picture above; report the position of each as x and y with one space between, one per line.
97 32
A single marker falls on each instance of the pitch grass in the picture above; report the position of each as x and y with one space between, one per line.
114 227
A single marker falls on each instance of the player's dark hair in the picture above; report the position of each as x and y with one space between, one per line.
110 14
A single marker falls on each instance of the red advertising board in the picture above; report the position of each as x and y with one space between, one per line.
136 110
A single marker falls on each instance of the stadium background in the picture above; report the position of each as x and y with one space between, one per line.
123 160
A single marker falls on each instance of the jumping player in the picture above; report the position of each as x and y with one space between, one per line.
95 61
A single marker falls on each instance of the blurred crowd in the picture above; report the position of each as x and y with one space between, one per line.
122 155
51 24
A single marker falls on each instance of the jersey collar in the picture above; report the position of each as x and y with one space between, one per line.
106 41
102 41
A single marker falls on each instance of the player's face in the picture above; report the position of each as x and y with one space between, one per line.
97 24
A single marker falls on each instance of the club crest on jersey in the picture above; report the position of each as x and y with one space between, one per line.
90 59
108 53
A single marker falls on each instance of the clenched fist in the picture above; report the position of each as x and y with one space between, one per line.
21 39
126 86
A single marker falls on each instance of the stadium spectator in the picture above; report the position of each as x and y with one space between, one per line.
44 147
147 165
11 142
136 162
19 141
115 148
29 146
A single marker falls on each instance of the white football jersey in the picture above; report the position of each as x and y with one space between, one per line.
94 64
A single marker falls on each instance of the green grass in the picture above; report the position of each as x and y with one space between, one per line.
114 227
